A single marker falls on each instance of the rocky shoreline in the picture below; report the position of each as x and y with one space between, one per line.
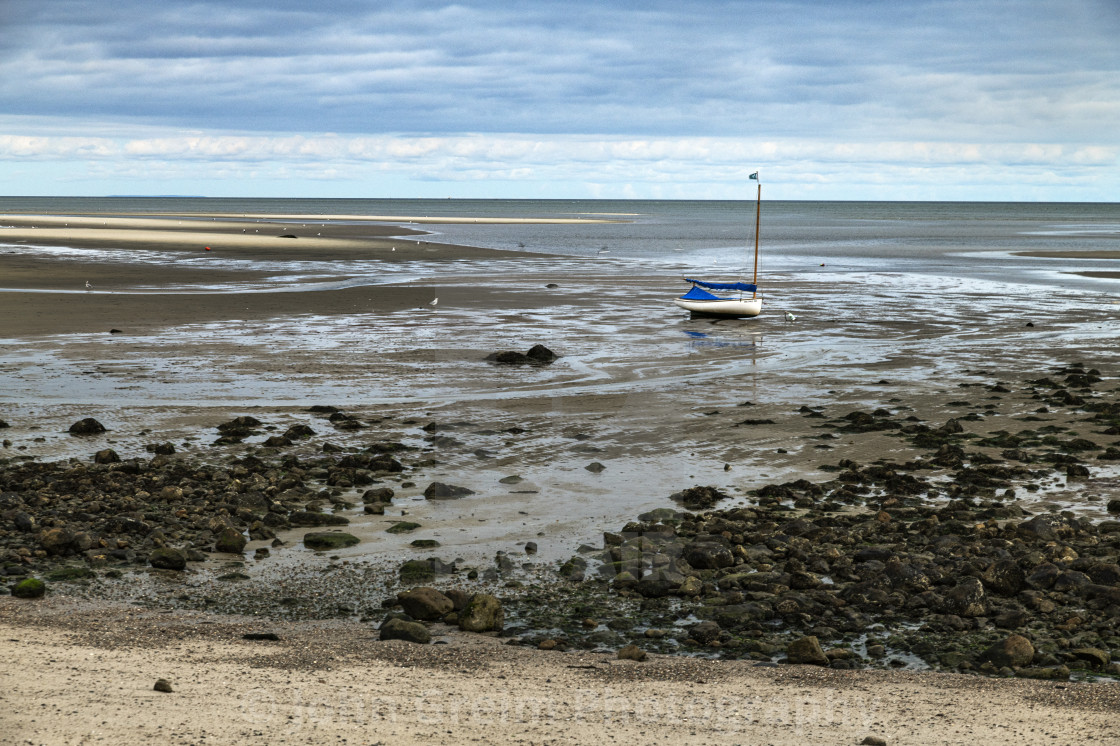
927 561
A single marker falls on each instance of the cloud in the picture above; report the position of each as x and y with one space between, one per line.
520 91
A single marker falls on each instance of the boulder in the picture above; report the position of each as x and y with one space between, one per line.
806 650
1015 651
88 426
1004 578
698 498
632 653
541 355
29 588
708 555
57 541
966 599
425 604
441 491
399 629
417 571
310 518
704 632
1094 658
106 456
165 558
230 540
325 541
483 614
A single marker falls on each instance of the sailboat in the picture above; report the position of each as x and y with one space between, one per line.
703 303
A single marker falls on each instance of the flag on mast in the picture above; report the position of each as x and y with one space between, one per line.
755 176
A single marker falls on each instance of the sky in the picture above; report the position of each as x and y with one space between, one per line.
994 100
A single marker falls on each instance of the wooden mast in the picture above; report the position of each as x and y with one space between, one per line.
757 219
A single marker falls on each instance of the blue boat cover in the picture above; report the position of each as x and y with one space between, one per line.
744 286
696 293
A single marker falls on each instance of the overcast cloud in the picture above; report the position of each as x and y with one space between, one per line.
854 99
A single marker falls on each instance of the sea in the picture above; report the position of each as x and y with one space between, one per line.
950 240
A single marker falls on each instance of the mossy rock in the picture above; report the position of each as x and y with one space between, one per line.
29 588
402 527
425 543
69 573
322 542
417 571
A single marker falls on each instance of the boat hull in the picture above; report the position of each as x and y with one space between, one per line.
723 308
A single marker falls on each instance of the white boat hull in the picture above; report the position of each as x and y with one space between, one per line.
722 307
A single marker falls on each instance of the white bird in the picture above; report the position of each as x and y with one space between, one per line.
394 248
433 302
790 316
88 285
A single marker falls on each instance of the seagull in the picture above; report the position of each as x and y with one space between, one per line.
790 316
88 285
433 302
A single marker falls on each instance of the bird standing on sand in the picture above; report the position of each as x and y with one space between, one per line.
433 302
88 285
790 316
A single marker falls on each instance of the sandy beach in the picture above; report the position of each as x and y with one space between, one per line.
85 674
556 456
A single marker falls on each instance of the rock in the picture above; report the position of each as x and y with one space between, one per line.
595 467
378 495
483 614
160 449
298 432
57 541
1004 578
399 629
417 571
508 357
441 491
632 653
106 456
324 541
698 498
1094 657
230 540
29 588
1016 651
310 518
537 355
425 604
705 632
163 685
966 599
239 424
806 650
165 558
1055 673
270 636
88 426
710 554
540 354
402 527
874 741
